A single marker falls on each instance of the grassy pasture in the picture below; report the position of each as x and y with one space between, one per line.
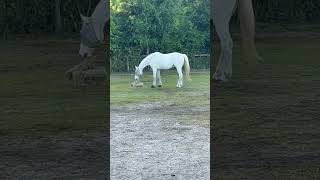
266 120
193 95
34 95
45 123
193 92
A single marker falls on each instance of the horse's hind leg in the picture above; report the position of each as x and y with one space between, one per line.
224 67
159 78
180 80
154 78
249 53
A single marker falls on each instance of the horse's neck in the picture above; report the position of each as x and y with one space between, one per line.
144 63
100 16
101 12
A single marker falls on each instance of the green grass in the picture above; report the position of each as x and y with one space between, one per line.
35 98
192 100
193 93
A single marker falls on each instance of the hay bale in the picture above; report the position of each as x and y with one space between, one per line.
98 74
76 77
137 84
86 72
82 66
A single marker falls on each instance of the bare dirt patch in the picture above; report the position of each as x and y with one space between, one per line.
150 141
73 155
267 127
48 129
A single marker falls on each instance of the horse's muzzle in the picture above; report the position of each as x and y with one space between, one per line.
83 56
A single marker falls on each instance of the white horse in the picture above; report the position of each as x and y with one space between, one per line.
92 30
221 13
158 61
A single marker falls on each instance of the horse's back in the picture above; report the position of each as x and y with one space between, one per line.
171 56
166 61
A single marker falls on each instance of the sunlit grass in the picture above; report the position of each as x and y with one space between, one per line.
195 92
192 97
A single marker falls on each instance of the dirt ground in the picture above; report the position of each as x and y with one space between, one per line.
148 141
265 121
70 155
266 126
49 129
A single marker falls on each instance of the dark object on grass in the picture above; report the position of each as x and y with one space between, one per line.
86 73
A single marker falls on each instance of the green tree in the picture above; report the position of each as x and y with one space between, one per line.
139 27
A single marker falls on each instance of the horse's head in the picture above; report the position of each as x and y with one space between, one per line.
137 74
88 37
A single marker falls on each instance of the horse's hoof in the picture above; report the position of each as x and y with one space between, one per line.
152 86
159 85
218 82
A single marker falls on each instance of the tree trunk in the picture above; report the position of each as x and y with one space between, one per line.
3 15
128 65
20 15
148 49
58 23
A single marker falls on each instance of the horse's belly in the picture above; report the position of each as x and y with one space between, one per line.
163 65
166 66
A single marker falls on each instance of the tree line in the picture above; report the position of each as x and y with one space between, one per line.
39 16
139 27
34 16
287 11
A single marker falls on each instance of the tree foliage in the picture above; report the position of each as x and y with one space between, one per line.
290 11
139 27
34 16
38 16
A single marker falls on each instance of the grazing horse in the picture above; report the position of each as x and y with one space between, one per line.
221 13
92 30
92 35
158 61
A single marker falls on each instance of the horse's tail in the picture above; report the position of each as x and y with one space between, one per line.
186 67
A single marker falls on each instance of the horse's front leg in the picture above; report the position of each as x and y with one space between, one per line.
221 15
180 80
154 78
224 67
159 78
